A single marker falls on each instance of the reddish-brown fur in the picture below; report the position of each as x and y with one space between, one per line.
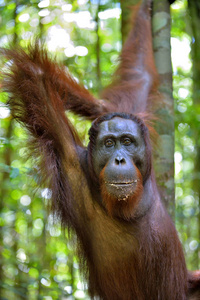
140 258
124 208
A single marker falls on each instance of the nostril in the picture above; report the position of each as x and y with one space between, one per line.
116 161
119 160
122 161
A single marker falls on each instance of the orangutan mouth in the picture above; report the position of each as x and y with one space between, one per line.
122 183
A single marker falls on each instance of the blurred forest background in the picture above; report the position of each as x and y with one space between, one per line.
36 256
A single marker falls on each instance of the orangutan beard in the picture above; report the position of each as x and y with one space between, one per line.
121 199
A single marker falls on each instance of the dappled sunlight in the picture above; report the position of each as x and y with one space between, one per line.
57 37
43 3
24 18
25 200
180 54
4 111
110 13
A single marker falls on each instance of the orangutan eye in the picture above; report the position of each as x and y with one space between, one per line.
109 143
126 141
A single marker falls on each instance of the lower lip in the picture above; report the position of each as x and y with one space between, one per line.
122 184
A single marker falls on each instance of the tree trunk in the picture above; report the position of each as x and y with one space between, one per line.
164 154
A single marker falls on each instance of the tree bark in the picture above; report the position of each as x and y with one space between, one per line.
164 154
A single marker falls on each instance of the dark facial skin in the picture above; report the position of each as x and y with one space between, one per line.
120 151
